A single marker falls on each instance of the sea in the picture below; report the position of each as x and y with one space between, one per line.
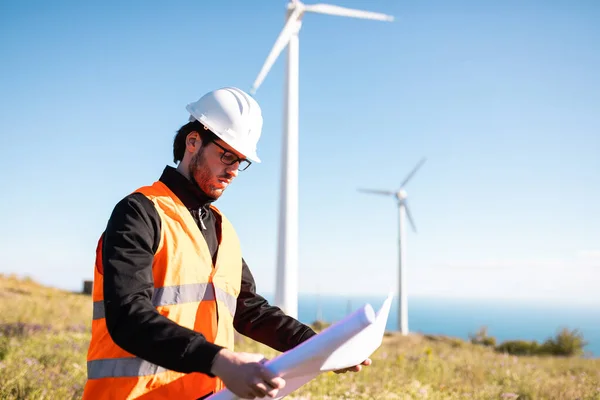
504 319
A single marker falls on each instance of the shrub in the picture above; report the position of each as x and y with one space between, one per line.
566 343
482 338
519 347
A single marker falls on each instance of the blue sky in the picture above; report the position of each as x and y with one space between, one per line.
501 97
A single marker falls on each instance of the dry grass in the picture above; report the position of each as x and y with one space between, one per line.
419 367
45 332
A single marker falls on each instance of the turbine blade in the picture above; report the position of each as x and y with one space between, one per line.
288 30
412 173
346 12
376 191
409 216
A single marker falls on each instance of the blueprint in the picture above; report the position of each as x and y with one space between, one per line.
344 344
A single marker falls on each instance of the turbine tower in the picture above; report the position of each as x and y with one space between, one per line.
403 212
286 289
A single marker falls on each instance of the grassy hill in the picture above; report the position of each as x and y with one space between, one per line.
44 333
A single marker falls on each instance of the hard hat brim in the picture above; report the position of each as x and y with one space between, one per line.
249 154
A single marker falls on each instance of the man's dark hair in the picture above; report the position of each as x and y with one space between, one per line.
179 141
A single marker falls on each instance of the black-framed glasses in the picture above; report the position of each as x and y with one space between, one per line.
228 158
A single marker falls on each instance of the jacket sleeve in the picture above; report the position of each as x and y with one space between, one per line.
267 324
130 240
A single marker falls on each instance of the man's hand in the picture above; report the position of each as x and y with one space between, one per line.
245 375
355 368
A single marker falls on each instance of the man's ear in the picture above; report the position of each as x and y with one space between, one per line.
193 142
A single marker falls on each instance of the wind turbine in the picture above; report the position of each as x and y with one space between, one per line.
403 211
286 289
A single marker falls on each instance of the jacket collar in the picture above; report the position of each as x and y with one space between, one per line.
188 192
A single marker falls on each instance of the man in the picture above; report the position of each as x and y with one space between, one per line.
170 283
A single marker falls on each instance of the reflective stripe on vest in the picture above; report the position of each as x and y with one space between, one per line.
193 292
121 367
188 289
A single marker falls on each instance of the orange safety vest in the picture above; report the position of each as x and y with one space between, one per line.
188 289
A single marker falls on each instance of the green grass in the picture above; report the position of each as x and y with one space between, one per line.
44 334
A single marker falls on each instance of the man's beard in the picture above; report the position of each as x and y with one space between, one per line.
202 177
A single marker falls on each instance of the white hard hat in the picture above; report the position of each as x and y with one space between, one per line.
233 115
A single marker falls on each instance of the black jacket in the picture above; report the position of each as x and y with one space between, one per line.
130 241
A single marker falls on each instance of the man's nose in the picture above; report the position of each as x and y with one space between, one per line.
233 169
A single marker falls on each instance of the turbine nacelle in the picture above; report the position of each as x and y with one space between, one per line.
295 4
401 194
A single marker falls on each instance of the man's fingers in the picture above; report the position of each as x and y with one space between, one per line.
271 379
272 392
260 389
277 382
272 388
355 368
268 388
